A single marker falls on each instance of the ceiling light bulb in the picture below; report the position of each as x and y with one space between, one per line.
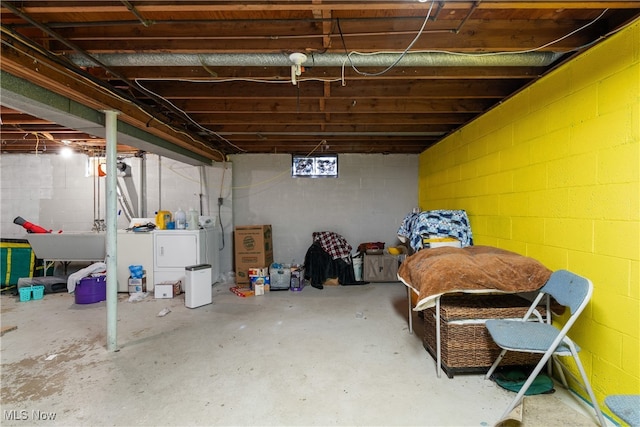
66 152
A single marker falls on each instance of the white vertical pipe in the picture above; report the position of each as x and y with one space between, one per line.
142 194
111 125
159 183
204 192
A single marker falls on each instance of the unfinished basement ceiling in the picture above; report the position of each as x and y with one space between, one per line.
219 77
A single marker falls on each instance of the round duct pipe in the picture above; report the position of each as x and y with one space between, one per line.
411 59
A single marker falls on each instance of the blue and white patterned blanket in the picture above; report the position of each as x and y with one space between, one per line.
439 223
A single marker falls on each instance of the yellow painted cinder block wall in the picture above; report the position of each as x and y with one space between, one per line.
553 173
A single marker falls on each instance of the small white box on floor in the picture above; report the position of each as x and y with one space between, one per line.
259 289
163 290
197 287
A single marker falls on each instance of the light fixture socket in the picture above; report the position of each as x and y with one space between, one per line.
296 69
298 58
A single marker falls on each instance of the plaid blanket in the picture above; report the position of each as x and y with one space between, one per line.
333 243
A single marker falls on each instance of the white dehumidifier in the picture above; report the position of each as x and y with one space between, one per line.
197 286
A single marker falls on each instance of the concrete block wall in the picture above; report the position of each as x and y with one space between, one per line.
172 185
553 173
56 193
47 190
366 203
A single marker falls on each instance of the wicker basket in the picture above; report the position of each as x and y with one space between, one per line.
467 347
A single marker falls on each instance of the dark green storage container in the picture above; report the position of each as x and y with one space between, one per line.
16 260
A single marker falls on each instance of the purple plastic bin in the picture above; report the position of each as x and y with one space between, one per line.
91 289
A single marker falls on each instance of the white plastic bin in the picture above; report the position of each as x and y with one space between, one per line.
357 268
197 286
280 276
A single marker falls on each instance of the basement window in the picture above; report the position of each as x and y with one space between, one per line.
320 166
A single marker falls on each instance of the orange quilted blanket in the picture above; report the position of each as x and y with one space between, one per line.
480 269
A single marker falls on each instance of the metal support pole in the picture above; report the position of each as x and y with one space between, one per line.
111 125
438 342
410 303
142 197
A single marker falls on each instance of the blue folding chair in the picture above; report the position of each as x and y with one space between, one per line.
522 335
626 407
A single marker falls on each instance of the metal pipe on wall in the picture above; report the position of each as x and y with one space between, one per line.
111 127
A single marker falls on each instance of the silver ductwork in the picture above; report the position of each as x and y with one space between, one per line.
411 59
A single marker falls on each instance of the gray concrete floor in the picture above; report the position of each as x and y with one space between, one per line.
337 356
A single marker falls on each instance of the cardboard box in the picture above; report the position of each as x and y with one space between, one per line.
137 285
297 281
255 281
177 286
163 290
262 271
253 249
242 292
380 268
438 242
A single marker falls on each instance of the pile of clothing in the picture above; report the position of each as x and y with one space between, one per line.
329 258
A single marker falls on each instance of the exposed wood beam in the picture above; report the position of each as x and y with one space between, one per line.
284 73
354 128
335 105
37 69
361 89
251 102
258 6
389 119
518 36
